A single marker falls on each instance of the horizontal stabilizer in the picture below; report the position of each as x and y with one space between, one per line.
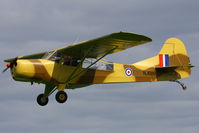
175 67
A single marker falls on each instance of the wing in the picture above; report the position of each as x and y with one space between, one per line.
98 47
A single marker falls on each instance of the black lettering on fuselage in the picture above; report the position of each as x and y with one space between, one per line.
148 73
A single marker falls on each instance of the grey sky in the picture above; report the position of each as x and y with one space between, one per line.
34 26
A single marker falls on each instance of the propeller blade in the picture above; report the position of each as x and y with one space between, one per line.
5 69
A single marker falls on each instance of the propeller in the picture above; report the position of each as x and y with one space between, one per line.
7 66
10 65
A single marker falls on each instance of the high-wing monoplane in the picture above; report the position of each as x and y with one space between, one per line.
81 65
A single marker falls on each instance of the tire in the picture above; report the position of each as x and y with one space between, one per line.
61 97
41 101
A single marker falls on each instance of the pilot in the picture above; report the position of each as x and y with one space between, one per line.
66 60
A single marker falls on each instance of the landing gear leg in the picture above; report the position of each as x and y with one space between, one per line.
184 87
42 99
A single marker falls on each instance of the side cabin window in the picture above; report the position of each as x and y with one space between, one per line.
64 60
73 61
100 65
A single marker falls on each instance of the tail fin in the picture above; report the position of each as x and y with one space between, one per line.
176 51
174 54
171 63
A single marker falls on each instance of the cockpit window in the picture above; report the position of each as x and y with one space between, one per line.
56 57
100 65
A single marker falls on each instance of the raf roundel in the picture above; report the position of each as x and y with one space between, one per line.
128 71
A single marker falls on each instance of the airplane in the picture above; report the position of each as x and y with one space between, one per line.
81 64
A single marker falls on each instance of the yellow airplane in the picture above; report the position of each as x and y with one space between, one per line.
81 65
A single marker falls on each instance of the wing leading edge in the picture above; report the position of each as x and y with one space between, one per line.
32 56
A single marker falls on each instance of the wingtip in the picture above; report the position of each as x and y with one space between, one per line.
149 39
139 36
9 60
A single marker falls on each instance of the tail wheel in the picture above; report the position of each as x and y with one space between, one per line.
61 97
41 100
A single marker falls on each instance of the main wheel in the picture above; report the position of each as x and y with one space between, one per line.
61 97
41 100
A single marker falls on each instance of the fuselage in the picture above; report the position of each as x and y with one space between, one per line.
76 73
43 71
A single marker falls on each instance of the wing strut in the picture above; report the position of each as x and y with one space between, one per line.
49 89
73 75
